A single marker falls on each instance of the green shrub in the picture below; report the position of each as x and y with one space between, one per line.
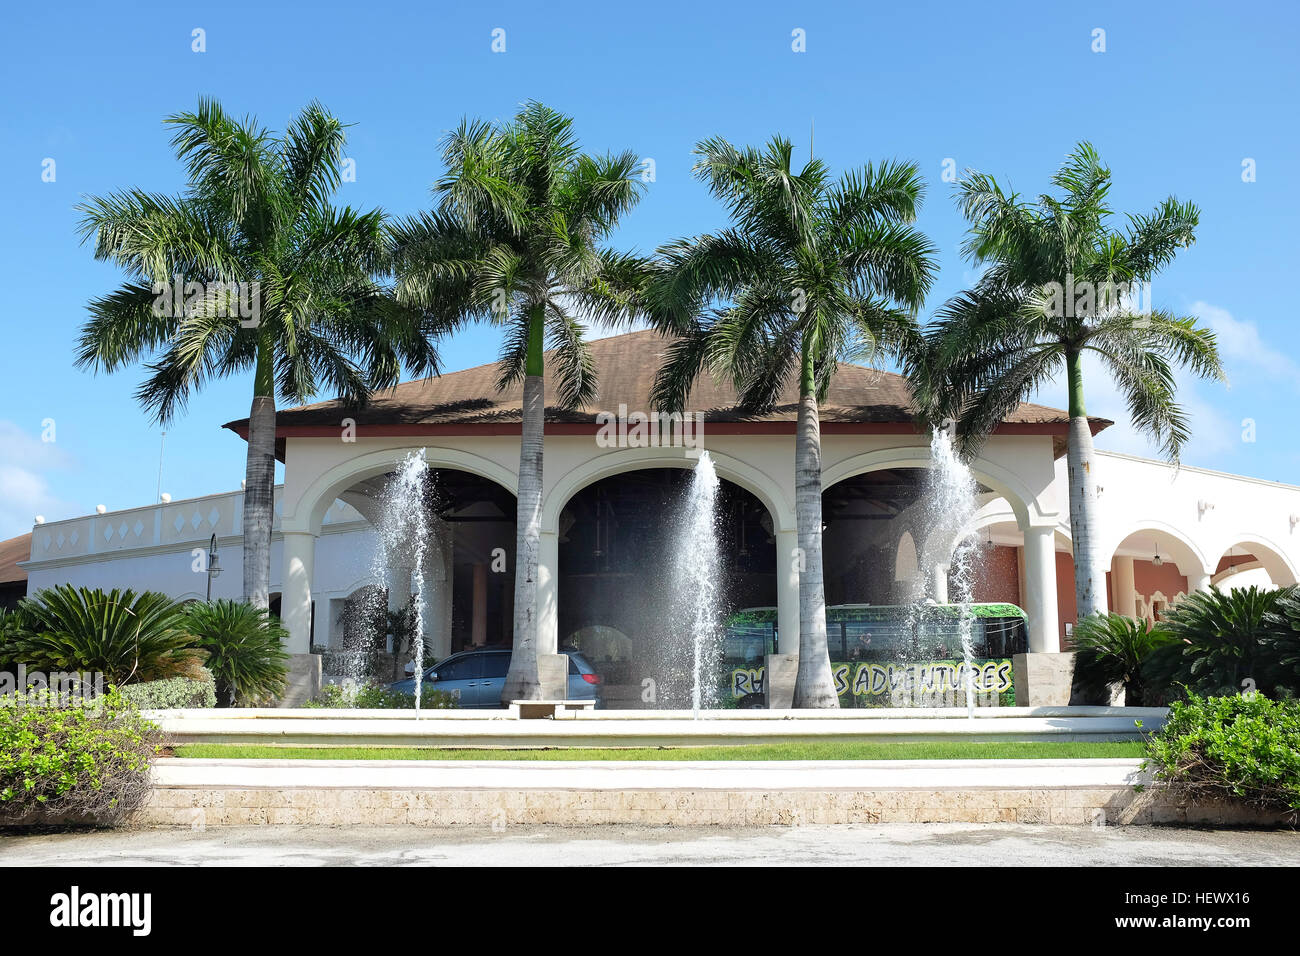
245 648
1244 747
1286 635
13 628
1110 649
171 692
1226 642
82 763
125 636
379 697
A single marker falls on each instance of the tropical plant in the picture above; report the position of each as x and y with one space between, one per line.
1110 649
1059 284
1229 641
810 273
368 628
402 629
250 268
172 692
81 763
1240 747
245 648
13 626
1286 637
517 240
125 636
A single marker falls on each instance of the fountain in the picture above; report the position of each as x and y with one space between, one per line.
696 639
403 541
951 549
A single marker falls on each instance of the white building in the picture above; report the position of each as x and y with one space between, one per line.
609 497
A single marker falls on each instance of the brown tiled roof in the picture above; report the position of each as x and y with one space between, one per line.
11 552
626 367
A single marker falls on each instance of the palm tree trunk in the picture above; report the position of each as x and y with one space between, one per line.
523 682
814 683
1089 573
259 483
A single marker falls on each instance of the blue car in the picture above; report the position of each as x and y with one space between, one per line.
478 677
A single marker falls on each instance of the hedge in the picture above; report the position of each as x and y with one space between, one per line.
172 692
83 763
1245 748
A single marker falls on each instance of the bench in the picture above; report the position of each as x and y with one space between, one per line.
547 709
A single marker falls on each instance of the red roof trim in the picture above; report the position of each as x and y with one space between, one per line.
488 429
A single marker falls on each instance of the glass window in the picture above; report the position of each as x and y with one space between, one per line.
495 665
461 668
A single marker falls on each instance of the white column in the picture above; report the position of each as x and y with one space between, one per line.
444 581
787 592
295 595
1040 596
433 605
399 586
1199 582
548 577
1021 586
939 584
478 620
1125 585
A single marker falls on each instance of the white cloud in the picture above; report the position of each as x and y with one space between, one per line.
1213 432
24 490
1242 347
1216 430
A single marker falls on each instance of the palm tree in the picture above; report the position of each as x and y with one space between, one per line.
250 268
811 272
244 647
1227 642
1059 284
1111 649
516 239
126 636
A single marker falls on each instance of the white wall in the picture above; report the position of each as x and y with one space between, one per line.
1139 495
152 547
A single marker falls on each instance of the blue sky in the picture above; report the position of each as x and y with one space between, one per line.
1181 96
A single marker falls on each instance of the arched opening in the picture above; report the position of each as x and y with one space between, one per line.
1248 563
617 539
1150 571
887 560
357 629
875 543
906 565
460 578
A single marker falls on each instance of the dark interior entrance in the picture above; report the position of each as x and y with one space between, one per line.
617 539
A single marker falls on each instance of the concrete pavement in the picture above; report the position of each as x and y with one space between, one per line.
871 845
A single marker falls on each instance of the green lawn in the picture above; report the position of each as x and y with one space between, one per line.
820 750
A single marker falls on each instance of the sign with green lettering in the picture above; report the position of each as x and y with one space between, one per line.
899 683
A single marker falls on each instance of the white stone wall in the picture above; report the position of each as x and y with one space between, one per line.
1207 512
152 547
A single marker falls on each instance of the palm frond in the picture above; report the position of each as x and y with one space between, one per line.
312 154
230 163
575 369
